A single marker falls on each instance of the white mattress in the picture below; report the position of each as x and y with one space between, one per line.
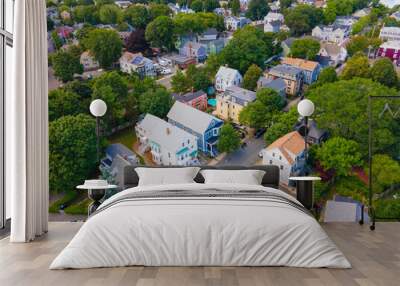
200 232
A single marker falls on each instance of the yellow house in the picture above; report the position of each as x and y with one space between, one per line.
232 101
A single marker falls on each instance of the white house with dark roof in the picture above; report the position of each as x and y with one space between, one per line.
390 34
273 16
332 33
231 102
88 61
208 35
130 62
227 77
204 126
168 144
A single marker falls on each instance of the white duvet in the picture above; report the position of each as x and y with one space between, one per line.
202 232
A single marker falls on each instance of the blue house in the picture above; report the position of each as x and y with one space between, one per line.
201 124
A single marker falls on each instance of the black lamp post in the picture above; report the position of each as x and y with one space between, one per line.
98 108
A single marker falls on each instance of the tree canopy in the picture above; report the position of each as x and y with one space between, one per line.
251 77
248 46
65 65
160 33
282 124
72 154
303 18
384 72
356 66
257 9
340 155
156 101
341 109
137 15
229 139
305 48
62 103
105 45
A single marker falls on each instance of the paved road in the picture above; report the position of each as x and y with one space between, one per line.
247 156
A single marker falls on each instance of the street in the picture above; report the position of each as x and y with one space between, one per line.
246 156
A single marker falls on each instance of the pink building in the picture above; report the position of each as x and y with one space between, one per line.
391 50
197 99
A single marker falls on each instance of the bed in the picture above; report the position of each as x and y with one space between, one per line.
201 224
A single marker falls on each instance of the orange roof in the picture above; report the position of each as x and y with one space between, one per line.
292 143
300 63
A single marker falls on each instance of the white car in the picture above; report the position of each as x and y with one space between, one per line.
165 71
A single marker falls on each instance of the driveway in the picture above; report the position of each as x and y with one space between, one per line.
246 156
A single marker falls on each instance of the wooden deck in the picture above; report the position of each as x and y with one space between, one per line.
375 257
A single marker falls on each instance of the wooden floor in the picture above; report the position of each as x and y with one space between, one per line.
375 257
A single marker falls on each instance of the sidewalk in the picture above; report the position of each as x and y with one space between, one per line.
217 159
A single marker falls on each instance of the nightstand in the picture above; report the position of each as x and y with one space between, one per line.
96 192
305 190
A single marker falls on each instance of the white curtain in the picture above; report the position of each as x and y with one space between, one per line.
27 124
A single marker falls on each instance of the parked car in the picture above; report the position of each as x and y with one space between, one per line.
165 71
260 132
164 61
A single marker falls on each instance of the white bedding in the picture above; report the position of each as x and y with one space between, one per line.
200 231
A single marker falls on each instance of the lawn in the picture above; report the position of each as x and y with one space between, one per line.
126 137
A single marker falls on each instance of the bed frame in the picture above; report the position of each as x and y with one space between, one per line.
271 177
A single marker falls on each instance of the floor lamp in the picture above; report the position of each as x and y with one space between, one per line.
98 108
306 109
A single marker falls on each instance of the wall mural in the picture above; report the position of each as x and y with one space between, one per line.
182 84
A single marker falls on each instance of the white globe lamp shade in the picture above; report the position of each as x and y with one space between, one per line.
305 107
98 108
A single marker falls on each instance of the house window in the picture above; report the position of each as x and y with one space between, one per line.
281 167
270 162
273 154
280 157
6 43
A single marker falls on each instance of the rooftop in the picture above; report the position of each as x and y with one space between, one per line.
190 117
164 133
285 69
391 45
188 96
227 73
291 143
300 63
241 95
277 84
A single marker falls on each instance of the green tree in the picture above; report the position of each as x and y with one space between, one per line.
85 14
357 44
248 46
235 7
257 9
105 45
63 103
210 5
160 33
327 75
303 18
212 65
110 14
157 102
384 72
339 154
356 66
197 78
197 5
261 112
385 173
65 65
341 109
72 154
251 77
138 15
229 139
56 40
113 89
282 124
157 10
179 83
305 48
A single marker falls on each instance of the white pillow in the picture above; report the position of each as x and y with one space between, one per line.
248 177
166 176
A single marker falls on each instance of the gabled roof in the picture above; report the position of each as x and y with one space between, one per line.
136 59
300 63
190 117
285 69
164 133
277 84
241 95
291 143
391 45
227 73
210 32
331 48
188 96
116 149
